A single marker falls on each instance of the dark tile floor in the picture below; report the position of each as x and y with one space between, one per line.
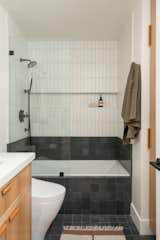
130 230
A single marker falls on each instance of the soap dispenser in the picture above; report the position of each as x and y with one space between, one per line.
100 101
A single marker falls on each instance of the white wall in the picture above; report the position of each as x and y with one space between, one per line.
18 74
84 68
133 46
140 167
3 79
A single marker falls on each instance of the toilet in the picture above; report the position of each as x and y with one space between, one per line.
47 199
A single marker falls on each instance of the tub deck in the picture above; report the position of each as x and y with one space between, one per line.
79 168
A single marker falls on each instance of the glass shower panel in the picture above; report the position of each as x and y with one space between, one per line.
51 128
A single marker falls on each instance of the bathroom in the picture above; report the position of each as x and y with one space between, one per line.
66 72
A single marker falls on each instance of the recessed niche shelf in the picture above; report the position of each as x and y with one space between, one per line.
51 92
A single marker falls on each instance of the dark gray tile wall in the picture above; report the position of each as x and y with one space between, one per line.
54 148
81 148
95 195
95 148
23 145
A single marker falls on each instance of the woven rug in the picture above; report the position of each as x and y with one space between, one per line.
92 233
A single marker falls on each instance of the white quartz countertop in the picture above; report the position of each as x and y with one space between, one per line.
11 164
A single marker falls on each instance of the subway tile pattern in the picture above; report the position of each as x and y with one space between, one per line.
66 67
75 66
95 195
126 221
69 115
83 69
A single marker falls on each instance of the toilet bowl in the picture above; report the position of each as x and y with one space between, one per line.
47 199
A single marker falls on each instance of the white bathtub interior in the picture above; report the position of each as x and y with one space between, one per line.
52 168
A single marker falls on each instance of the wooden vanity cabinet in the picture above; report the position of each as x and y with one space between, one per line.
15 220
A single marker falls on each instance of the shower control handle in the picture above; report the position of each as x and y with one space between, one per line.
26 129
23 115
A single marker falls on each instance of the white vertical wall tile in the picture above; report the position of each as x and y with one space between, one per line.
66 67
75 66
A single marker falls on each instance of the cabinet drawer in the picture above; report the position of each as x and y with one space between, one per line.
10 192
19 220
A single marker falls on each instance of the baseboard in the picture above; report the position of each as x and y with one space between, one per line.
142 224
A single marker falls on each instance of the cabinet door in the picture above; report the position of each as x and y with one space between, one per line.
11 191
25 217
3 230
15 201
19 221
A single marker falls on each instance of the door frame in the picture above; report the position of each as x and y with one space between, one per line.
153 115
157 79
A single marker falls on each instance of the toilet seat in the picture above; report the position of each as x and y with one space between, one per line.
45 190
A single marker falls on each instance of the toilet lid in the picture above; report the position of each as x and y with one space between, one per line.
44 189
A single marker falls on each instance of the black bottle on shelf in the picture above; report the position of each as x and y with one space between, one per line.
100 102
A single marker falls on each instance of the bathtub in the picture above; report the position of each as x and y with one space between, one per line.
92 186
79 168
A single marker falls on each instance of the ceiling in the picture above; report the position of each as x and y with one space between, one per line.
70 19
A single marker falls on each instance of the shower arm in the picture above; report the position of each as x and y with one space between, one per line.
24 60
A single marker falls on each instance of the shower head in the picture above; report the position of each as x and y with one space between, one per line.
31 64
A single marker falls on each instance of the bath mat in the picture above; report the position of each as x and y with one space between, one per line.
92 233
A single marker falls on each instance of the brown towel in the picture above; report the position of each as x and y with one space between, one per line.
131 111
